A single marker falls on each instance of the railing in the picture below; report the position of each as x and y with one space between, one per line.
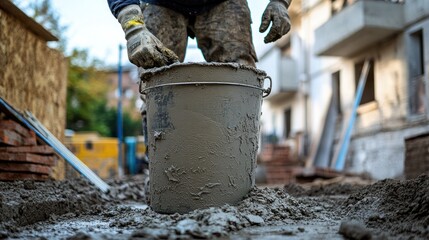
339 5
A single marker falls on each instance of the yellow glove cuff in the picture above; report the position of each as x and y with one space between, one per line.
133 22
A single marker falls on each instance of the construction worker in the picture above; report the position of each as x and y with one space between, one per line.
157 30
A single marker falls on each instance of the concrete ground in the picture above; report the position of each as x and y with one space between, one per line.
73 209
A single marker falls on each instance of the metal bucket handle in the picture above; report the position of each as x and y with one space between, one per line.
266 92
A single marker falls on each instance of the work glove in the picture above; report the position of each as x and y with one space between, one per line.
276 12
144 49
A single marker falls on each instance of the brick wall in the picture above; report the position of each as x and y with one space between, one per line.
280 166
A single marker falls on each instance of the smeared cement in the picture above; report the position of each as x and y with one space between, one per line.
203 138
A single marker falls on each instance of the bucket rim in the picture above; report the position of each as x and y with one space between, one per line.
146 74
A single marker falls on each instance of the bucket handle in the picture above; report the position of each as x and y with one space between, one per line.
268 90
265 92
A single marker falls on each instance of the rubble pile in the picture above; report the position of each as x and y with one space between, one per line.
262 207
127 189
392 205
27 202
389 209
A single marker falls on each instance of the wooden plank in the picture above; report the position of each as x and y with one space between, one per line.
27 157
16 127
10 176
42 149
24 167
340 154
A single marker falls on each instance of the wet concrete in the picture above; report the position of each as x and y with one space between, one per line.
389 209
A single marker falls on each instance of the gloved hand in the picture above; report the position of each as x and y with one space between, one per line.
144 49
276 12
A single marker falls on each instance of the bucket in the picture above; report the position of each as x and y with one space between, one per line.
203 132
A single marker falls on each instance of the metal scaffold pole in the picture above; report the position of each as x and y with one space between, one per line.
119 121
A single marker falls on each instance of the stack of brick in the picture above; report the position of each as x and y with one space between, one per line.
280 166
21 156
417 156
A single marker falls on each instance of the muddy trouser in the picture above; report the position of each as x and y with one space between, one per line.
223 33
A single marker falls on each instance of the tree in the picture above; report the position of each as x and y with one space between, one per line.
87 101
85 94
43 13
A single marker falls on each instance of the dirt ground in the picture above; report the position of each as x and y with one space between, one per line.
74 209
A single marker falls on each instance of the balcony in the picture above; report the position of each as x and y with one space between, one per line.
358 26
285 84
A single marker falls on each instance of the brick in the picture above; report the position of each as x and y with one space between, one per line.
24 167
27 157
12 138
11 176
14 126
42 149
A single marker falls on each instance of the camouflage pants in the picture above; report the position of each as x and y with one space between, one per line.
223 34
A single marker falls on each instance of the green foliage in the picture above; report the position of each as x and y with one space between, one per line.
85 94
87 102
109 116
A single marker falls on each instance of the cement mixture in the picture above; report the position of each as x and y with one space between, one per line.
203 131
74 209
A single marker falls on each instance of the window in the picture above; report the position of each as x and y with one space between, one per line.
416 58
368 94
89 145
287 123
417 88
336 96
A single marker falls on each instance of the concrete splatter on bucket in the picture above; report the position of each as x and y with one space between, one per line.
203 130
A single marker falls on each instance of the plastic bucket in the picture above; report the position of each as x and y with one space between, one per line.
203 132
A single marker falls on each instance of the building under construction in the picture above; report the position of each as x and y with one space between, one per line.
316 78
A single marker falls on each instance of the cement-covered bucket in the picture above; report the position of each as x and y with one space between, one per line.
203 131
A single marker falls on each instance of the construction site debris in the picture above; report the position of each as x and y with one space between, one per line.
74 209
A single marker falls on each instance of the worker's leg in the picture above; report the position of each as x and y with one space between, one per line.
224 33
168 26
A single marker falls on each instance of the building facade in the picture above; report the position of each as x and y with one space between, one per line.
319 65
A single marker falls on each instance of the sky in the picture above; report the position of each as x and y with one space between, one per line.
92 26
